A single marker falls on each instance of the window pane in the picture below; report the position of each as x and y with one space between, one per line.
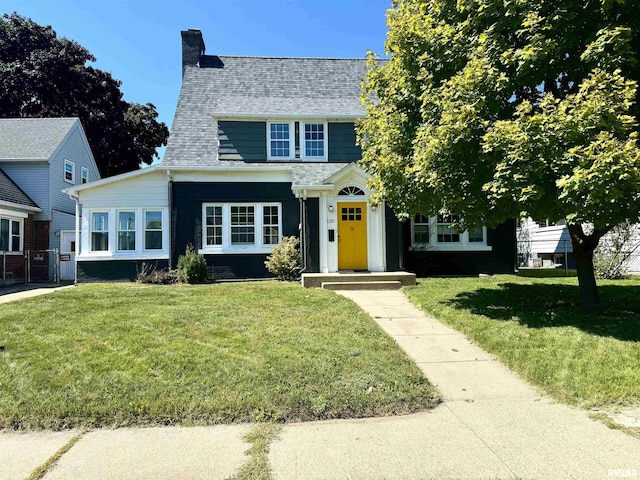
421 233
100 221
270 230
126 221
314 139
153 220
153 240
214 225
15 236
279 139
99 241
476 234
126 240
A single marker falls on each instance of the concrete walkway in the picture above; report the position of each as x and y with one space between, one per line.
491 425
18 292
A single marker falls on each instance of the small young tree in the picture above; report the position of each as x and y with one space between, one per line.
192 267
285 261
610 259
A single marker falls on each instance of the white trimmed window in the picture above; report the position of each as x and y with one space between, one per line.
446 232
153 230
99 231
84 175
297 140
420 229
246 227
438 233
69 172
126 231
314 136
280 136
10 235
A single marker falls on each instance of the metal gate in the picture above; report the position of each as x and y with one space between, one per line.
43 266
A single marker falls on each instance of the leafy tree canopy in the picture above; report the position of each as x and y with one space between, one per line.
498 109
42 75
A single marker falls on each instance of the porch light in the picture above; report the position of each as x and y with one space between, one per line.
331 208
374 208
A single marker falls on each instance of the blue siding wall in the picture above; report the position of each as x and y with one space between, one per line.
342 143
187 200
248 141
242 141
75 149
33 179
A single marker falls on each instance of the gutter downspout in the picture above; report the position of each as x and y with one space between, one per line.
303 249
77 246
170 204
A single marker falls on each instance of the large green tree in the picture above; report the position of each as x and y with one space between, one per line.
498 109
42 75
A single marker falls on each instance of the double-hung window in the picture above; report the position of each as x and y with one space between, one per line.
126 231
69 172
421 229
10 235
281 143
297 140
315 141
99 231
247 227
84 175
153 230
446 232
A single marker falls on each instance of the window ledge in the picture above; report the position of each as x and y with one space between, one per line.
450 248
97 256
235 250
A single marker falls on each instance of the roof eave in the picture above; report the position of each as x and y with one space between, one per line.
19 206
287 116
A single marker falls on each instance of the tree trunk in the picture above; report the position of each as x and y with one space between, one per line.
583 247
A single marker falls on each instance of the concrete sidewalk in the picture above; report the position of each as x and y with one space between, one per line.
18 292
490 425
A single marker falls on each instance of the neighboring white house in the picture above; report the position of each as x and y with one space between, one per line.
542 243
43 156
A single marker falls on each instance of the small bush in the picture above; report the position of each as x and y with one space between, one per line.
150 274
192 267
285 261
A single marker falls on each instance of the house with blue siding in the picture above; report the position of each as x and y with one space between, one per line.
41 157
262 148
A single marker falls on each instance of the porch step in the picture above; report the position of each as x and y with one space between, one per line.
315 280
390 285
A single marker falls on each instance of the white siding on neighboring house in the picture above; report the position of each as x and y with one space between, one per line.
138 194
33 179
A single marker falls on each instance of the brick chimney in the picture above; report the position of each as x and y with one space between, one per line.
192 47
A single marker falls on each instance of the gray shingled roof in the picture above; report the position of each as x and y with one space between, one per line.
12 193
263 88
32 138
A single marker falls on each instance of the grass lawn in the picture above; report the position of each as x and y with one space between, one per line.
535 327
128 354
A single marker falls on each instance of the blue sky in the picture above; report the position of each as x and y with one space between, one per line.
138 41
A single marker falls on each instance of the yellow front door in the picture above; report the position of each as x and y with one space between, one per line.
352 236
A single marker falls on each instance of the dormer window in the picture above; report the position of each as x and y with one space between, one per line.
306 141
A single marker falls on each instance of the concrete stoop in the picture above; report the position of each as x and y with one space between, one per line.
358 280
388 285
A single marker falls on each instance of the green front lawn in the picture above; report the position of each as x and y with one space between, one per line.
536 327
127 354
